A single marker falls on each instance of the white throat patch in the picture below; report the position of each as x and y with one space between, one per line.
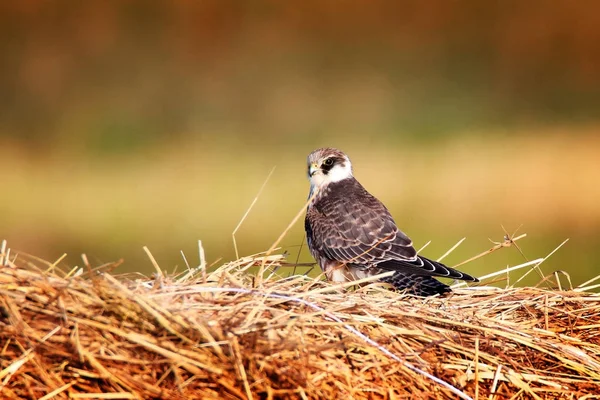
340 172
336 174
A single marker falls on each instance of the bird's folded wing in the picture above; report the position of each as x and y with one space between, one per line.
364 233
361 233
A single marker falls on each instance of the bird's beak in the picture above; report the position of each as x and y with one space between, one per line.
313 169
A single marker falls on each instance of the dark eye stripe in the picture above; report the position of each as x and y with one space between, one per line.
329 163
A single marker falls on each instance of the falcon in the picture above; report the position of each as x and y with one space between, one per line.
352 235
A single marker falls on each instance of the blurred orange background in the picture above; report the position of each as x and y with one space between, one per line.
133 123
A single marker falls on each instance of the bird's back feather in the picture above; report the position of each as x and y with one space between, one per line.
346 225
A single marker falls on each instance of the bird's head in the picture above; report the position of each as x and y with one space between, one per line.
328 165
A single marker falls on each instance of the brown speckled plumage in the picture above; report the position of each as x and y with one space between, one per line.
352 235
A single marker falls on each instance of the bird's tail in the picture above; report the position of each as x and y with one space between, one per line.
417 285
423 266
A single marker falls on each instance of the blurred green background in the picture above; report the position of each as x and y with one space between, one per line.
131 123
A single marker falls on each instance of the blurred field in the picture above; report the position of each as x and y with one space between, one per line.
155 123
439 191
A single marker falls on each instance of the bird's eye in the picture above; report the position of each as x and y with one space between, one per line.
328 162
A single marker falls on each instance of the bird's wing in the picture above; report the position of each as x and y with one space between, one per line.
351 226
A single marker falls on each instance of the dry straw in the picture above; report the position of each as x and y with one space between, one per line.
84 333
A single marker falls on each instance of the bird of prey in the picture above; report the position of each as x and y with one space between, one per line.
352 235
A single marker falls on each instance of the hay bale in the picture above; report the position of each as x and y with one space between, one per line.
215 336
